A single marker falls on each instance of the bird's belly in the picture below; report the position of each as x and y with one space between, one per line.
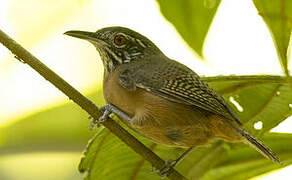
170 123
183 136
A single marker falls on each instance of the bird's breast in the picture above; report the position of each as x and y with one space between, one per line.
117 95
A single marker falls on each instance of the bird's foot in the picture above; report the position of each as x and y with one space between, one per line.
107 110
170 164
104 117
164 171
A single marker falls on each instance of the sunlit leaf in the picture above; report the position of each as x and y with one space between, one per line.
277 14
191 18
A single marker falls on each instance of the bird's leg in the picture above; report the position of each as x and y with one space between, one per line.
107 110
172 163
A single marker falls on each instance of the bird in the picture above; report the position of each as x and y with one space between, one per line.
160 98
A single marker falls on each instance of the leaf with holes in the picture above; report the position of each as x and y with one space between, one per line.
277 14
262 98
191 18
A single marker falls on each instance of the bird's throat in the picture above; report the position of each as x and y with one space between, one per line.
108 61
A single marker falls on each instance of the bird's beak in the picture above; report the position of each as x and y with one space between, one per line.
90 36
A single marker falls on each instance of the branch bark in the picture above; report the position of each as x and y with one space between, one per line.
26 57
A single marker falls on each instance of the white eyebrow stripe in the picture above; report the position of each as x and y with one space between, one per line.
135 54
140 43
127 55
114 55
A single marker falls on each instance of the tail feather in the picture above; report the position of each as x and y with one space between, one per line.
259 146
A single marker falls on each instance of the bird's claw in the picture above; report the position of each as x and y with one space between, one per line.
153 169
104 117
106 112
164 171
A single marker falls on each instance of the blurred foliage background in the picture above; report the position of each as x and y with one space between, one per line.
43 134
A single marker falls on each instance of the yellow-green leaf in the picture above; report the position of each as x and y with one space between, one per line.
191 18
277 14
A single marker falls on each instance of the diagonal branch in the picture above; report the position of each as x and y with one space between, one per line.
26 57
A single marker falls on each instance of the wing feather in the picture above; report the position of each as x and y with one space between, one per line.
176 82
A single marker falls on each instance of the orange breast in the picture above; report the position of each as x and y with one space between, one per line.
120 97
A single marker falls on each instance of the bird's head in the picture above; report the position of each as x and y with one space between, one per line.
118 45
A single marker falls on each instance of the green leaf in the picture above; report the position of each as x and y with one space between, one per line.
61 128
108 158
243 162
277 14
191 18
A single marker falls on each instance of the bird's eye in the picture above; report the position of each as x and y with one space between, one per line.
120 40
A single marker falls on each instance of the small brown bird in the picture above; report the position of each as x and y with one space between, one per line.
160 98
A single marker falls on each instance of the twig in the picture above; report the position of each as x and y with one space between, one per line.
26 57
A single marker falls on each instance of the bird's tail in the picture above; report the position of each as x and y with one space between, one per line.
258 145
